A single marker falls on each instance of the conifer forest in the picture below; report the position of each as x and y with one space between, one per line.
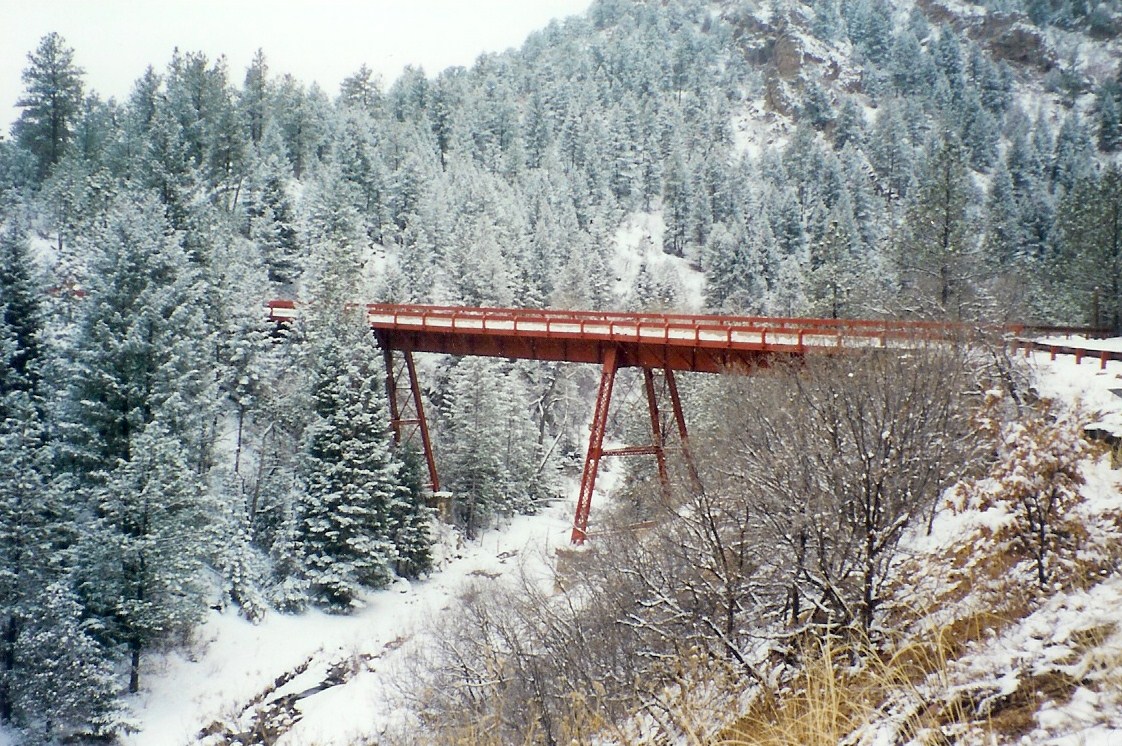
167 453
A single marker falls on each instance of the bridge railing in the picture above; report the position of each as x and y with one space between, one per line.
700 330
678 329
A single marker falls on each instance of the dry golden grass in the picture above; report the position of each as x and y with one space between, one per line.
842 688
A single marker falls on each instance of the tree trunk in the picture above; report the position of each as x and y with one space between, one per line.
134 667
7 665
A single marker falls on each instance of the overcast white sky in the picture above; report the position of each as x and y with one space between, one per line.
324 41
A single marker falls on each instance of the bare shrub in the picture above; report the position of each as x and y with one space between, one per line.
1033 489
827 462
812 474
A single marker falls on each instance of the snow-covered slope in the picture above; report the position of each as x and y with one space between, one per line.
317 678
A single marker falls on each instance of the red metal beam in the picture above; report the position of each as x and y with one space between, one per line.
683 435
397 422
595 447
673 342
419 407
656 432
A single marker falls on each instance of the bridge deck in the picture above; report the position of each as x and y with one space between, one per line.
671 342
700 343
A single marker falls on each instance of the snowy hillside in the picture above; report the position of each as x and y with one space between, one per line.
212 525
1051 674
328 679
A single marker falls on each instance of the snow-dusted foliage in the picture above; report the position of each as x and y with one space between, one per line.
1032 490
165 450
355 515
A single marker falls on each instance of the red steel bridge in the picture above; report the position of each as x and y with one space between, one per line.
650 342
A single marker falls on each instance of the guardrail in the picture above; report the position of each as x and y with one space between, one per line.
780 334
1029 346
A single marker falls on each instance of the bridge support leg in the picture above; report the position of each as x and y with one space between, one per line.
397 422
656 432
683 435
595 446
391 394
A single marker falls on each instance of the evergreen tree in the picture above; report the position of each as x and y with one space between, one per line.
816 107
362 90
1110 120
359 161
200 99
75 196
891 153
948 59
51 102
21 320
31 525
487 445
980 132
913 70
36 531
136 423
1074 155
410 520
142 344
94 127
1004 240
850 126
1089 221
254 101
67 688
834 271
827 19
272 217
351 479
305 122
140 561
166 166
938 251
676 204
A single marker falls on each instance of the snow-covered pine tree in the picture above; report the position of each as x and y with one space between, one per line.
1110 118
1003 242
269 210
891 153
20 488
140 562
1089 260
355 501
136 427
254 100
476 440
676 202
938 256
37 517
142 346
37 528
1074 155
67 687
21 319
51 101
835 269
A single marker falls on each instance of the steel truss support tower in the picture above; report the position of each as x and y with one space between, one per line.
657 448
405 428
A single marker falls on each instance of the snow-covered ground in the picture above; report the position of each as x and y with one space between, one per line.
1098 388
335 673
236 670
638 242
1074 635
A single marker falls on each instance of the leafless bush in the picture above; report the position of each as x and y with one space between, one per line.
829 461
812 473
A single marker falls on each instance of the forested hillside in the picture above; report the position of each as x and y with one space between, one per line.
165 451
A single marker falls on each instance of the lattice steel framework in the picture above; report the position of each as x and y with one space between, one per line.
651 342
